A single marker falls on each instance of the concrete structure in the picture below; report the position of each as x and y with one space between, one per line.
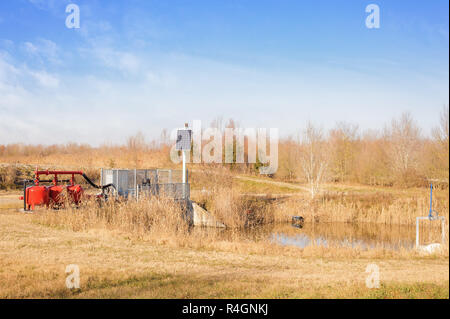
201 217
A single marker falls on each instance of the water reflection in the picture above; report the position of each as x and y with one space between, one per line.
364 236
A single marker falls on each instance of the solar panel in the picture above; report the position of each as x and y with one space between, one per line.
183 140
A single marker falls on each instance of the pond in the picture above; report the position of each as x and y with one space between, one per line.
365 236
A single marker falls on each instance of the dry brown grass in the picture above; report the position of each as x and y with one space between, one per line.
145 249
381 208
33 258
146 218
161 221
220 196
84 157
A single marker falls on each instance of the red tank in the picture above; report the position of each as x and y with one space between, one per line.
37 195
75 192
55 194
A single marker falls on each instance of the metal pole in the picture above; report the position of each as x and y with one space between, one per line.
135 183
117 182
184 175
24 195
184 166
431 202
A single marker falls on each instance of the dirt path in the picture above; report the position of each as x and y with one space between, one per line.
275 183
10 200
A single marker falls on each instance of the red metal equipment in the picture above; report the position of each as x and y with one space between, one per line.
36 195
56 195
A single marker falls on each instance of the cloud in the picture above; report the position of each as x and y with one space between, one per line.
7 70
30 48
15 76
44 50
45 79
163 79
46 4
125 62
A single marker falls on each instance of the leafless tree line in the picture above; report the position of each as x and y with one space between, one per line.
400 154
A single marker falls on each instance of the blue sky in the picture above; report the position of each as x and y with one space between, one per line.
148 65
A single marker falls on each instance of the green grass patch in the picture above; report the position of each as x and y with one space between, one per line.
249 186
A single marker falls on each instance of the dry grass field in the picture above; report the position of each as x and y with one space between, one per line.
117 258
144 250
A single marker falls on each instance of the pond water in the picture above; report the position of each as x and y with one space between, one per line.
365 236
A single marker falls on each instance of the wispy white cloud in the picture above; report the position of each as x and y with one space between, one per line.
44 50
45 79
7 70
123 61
47 4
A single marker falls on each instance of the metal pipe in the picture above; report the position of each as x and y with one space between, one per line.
184 166
135 183
430 214
47 172
24 195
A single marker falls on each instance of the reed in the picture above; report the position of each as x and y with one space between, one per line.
377 208
144 218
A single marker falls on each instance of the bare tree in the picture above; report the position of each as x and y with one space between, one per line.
441 133
136 145
218 123
313 158
164 138
403 137
441 145
288 159
343 139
